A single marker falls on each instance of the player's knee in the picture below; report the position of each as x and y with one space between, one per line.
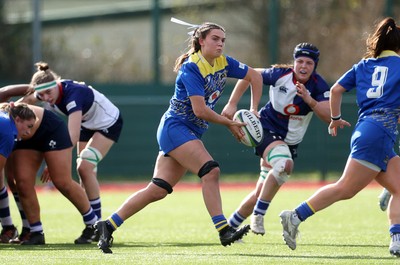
281 161
164 185
207 167
90 155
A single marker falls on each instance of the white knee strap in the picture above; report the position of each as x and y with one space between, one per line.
91 155
277 158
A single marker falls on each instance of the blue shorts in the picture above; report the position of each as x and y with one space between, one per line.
172 133
371 143
51 135
112 132
270 137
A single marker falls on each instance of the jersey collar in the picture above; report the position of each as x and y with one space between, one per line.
387 53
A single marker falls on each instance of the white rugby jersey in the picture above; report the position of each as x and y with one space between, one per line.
286 113
98 112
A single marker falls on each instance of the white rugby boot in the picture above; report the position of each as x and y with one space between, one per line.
384 198
290 230
394 247
257 224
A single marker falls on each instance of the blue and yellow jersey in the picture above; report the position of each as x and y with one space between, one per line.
197 77
377 81
8 134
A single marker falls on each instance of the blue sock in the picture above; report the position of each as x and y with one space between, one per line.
394 229
219 222
5 215
114 221
96 205
261 207
36 227
236 220
89 218
304 210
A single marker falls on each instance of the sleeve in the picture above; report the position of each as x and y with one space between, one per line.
192 80
235 68
271 75
322 91
73 98
348 80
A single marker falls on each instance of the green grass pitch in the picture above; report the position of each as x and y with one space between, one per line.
178 230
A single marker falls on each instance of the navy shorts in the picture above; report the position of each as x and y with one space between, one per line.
51 135
270 137
112 132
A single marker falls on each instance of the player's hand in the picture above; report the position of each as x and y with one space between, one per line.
332 129
228 111
45 176
236 129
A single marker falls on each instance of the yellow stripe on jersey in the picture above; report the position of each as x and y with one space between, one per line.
204 67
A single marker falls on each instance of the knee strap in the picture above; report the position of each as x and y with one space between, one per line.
207 167
162 184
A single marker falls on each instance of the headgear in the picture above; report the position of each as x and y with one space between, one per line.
307 50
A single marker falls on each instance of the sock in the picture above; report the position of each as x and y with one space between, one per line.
394 229
96 205
304 210
5 215
25 222
220 222
114 221
261 207
235 220
89 218
36 227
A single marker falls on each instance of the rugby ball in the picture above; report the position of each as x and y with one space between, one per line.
253 131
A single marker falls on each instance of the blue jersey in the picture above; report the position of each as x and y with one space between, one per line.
8 134
377 81
286 113
197 77
98 113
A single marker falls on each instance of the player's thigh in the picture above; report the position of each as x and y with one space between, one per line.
26 163
191 155
391 177
59 163
168 169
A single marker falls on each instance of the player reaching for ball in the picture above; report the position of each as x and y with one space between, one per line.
202 73
296 92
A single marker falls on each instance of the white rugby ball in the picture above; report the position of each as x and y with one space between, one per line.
253 131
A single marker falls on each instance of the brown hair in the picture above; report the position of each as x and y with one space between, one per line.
20 110
385 37
194 44
43 74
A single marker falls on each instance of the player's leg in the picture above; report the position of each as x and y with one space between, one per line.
61 176
25 178
390 180
194 156
90 155
9 173
279 157
356 176
167 173
247 205
8 231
